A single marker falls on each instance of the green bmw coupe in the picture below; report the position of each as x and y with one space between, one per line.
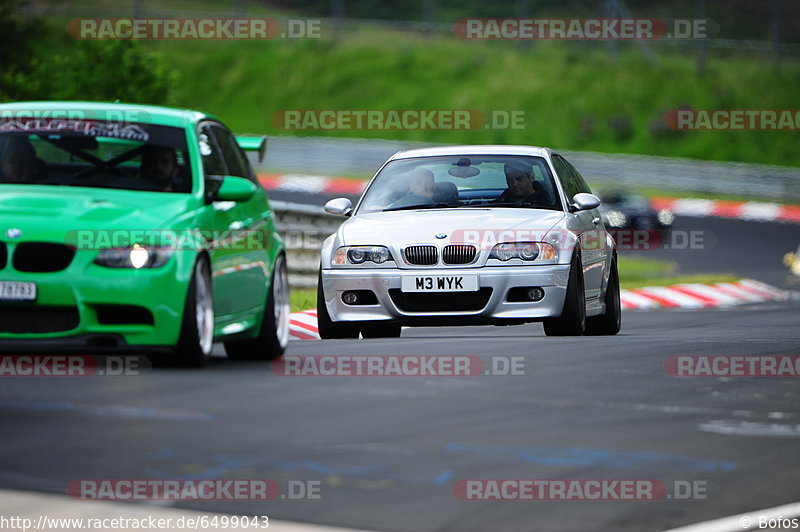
136 228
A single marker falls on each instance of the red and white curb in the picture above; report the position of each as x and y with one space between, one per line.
741 210
303 325
312 184
696 295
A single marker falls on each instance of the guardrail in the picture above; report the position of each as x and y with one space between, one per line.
303 228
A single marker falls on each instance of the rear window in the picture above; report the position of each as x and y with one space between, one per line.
94 153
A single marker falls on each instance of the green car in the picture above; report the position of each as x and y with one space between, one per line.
135 228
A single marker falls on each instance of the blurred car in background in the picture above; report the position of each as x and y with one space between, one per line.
626 211
126 227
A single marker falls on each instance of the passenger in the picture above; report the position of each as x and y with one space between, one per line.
20 164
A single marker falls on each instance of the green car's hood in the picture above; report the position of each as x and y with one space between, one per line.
49 213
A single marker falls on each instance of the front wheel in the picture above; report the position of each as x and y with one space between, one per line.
273 337
197 328
572 321
329 329
609 322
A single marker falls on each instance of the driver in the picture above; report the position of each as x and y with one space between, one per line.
420 190
160 164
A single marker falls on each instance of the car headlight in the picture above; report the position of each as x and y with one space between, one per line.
616 219
525 251
136 257
361 254
666 217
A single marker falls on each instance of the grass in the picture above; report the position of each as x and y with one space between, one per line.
634 273
573 95
302 299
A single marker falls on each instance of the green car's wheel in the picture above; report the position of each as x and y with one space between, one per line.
381 330
327 328
572 321
610 322
197 329
273 337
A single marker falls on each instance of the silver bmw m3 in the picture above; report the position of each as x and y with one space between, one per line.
470 235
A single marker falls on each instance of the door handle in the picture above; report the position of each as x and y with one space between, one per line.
596 221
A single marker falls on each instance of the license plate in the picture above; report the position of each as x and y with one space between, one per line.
13 291
439 283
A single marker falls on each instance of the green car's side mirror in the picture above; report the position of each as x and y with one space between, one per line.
232 188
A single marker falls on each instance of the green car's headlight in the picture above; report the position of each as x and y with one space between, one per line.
135 257
361 254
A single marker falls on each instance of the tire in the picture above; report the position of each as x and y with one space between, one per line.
273 337
608 323
197 328
381 330
572 321
329 329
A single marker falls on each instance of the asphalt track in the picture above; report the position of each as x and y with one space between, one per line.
388 451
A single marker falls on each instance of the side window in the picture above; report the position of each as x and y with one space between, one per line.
568 180
213 163
578 178
236 159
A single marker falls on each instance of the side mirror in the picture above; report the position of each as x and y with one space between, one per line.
584 202
339 207
233 188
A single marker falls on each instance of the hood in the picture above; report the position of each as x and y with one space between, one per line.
414 227
48 212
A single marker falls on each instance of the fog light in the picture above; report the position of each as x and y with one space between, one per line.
535 293
351 298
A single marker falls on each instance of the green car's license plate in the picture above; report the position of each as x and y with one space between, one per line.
14 291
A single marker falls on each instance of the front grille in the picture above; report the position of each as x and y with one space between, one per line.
422 255
440 301
458 254
3 255
40 257
22 319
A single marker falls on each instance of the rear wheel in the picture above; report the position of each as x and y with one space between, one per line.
609 322
381 330
329 329
197 329
273 337
572 321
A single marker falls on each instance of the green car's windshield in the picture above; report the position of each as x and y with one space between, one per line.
94 153
462 182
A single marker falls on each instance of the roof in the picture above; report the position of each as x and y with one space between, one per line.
127 112
490 149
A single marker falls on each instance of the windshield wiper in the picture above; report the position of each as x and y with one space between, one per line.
526 204
414 207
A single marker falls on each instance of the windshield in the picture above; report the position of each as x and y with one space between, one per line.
462 182
94 154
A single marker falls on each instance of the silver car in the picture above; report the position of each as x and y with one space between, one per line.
470 235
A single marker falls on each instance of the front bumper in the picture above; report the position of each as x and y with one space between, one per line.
384 282
73 305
